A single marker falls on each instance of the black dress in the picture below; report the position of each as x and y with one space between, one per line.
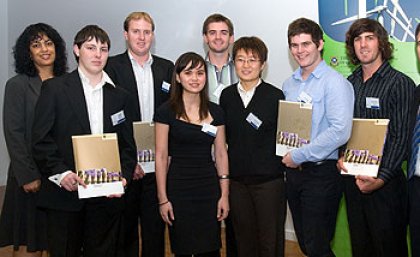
192 183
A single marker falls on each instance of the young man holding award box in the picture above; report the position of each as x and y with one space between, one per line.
313 181
147 78
376 206
81 103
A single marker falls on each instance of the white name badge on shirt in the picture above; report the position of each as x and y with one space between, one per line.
209 129
118 118
166 86
219 90
372 103
254 121
304 98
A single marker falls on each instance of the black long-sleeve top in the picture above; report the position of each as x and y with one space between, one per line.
252 152
395 92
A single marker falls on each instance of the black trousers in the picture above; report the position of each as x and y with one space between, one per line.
378 221
414 214
95 230
151 223
141 202
258 213
131 218
314 194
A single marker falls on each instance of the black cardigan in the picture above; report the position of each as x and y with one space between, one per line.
252 153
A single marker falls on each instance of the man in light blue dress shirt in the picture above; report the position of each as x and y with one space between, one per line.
313 181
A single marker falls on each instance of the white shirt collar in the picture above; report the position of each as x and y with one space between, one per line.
105 79
148 62
251 91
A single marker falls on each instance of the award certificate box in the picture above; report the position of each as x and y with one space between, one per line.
293 126
97 160
144 135
364 149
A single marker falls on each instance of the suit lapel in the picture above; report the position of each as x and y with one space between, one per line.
74 90
108 101
35 85
158 76
133 83
130 71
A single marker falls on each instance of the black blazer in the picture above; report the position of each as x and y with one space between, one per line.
60 113
121 72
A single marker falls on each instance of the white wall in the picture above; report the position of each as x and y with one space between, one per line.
178 23
4 74
178 29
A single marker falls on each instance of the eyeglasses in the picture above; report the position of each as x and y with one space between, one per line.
250 61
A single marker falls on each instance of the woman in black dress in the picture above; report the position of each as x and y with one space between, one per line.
39 54
192 189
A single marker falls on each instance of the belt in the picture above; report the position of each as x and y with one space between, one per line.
308 165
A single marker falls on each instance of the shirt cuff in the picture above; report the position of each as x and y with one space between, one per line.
294 154
56 179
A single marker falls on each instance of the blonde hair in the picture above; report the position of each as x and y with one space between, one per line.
138 16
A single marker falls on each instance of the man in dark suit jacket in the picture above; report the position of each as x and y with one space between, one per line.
82 102
413 173
147 77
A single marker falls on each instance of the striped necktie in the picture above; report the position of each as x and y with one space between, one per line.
414 147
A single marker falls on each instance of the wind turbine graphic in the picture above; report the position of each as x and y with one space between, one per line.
380 10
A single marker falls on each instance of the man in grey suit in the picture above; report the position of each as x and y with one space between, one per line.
147 77
218 36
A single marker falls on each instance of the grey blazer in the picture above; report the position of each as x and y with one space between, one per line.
20 98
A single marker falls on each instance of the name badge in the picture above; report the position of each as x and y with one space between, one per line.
118 118
166 87
219 90
209 129
304 98
372 103
254 121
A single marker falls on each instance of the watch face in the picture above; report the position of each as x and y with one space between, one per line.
399 17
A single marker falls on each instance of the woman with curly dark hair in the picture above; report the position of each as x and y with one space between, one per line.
40 54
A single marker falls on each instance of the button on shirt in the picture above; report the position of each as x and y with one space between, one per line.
145 90
332 111
246 96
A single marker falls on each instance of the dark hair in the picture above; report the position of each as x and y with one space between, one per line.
22 53
88 33
217 17
367 25
305 26
251 44
188 60
417 32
